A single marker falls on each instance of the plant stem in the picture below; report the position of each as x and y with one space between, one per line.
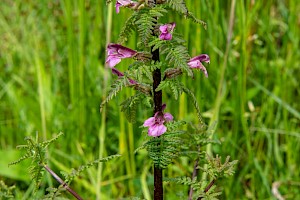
158 187
208 187
157 97
195 172
64 184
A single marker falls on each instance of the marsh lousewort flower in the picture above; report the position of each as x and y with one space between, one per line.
196 62
156 123
116 52
121 3
120 74
166 31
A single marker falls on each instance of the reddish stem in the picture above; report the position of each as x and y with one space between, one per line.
64 184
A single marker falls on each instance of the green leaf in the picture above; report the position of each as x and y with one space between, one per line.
116 87
129 106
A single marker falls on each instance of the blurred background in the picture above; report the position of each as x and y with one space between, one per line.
53 79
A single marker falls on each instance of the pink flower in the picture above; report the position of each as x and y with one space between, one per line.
121 3
120 74
196 63
166 31
116 52
156 123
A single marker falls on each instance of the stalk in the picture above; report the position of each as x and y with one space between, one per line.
157 97
64 184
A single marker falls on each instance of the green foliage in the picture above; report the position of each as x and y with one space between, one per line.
173 84
129 106
218 170
6 192
195 102
197 186
76 172
180 7
176 52
35 151
261 38
178 56
164 149
177 88
116 87
127 28
211 194
55 194
146 21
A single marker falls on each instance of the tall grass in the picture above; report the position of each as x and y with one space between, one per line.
53 78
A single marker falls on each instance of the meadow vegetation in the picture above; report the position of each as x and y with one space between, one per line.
53 79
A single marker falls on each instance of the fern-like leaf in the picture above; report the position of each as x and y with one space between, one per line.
195 103
146 21
116 87
127 28
35 150
55 194
180 7
196 20
129 106
167 147
76 173
218 170
6 192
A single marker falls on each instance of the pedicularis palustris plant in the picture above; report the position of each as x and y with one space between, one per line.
160 59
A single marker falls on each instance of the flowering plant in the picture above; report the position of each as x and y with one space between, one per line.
160 60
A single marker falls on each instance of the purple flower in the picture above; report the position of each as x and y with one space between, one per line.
156 123
196 63
116 52
166 30
120 74
121 3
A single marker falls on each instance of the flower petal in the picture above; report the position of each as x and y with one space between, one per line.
167 36
118 5
112 61
126 52
166 31
157 130
201 58
168 117
149 122
163 28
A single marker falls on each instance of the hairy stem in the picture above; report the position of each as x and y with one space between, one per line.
64 184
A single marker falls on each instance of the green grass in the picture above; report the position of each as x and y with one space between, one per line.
52 79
